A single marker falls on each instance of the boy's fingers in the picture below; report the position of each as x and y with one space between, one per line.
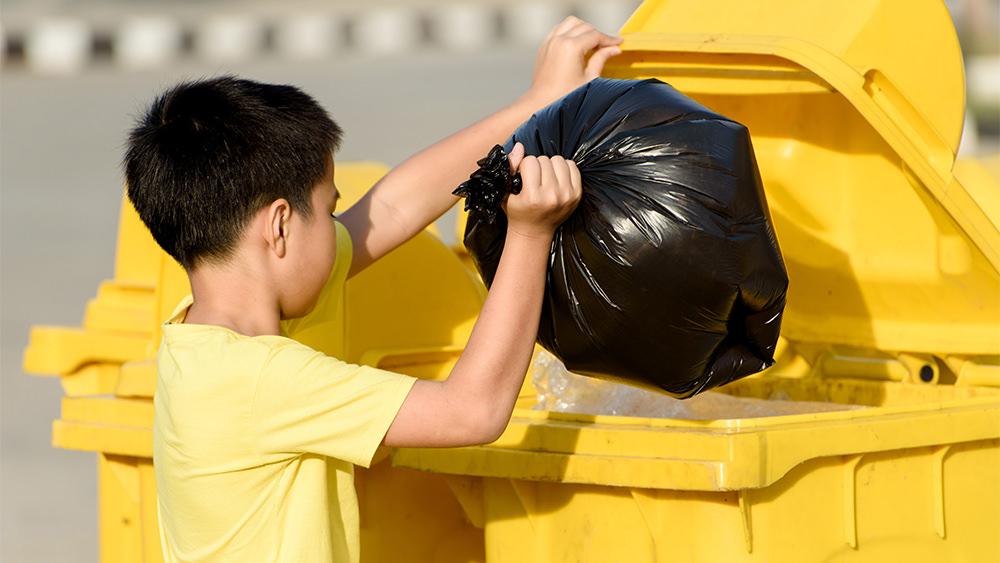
593 37
530 171
560 169
597 48
515 157
566 25
583 34
576 180
568 175
595 40
547 174
606 40
596 63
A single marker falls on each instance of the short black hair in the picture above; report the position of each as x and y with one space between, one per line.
208 154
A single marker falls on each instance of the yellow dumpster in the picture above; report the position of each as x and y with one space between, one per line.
892 250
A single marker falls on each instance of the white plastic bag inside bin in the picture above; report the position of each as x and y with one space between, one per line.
560 390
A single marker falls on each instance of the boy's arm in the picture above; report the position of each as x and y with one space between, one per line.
418 191
474 404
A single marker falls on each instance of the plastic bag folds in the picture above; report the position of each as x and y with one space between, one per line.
668 275
486 189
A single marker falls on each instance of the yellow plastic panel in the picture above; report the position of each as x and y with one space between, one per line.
723 454
121 306
411 515
172 285
855 120
907 505
925 504
129 532
62 350
137 379
90 379
420 295
117 426
913 42
137 254
981 178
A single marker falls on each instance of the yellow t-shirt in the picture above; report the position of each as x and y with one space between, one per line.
254 442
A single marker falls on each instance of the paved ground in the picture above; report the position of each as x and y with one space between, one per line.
60 183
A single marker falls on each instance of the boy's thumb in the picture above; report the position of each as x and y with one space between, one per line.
595 65
515 157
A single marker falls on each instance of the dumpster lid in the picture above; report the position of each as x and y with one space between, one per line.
856 118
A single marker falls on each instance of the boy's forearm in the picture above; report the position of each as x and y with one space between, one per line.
418 191
434 172
499 350
474 404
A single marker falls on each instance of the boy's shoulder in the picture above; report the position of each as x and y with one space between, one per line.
221 341
194 348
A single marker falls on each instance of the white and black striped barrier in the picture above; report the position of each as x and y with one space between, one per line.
55 45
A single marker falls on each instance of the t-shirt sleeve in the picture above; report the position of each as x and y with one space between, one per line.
308 402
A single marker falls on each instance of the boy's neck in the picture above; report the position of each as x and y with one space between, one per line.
235 297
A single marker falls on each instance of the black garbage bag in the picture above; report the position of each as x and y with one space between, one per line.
668 275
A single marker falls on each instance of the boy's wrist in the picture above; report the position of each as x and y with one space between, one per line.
530 235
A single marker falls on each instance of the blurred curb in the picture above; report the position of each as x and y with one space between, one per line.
138 37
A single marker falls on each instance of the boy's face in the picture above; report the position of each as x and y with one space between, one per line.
313 251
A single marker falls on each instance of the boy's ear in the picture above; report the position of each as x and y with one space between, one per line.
277 220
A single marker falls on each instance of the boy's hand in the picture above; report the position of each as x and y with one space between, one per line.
573 54
550 191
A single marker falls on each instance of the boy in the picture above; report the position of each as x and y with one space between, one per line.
256 435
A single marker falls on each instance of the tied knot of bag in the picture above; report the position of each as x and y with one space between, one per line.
487 187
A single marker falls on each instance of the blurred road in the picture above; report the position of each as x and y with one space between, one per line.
60 189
